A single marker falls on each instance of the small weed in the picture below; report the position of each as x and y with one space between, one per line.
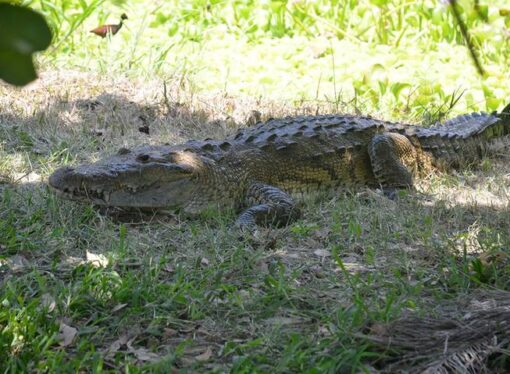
302 230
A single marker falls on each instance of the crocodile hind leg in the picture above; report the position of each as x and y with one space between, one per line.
394 161
268 205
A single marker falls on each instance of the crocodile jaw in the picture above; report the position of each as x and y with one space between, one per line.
126 189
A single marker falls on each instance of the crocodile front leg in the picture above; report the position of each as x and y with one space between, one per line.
394 160
268 205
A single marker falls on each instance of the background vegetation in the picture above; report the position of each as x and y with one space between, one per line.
81 290
392 56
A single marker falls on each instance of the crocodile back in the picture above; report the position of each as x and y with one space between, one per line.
276 131
305 152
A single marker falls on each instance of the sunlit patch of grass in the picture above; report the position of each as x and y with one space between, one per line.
398 58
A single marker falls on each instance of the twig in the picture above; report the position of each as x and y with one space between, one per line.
467 39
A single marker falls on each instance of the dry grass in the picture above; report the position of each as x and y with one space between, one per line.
189 293
465 336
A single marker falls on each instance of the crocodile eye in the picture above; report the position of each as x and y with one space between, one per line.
143 157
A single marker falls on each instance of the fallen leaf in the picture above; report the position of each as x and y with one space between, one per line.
284 321
17 263
73 261
204 356
322 253
48 302
323 233
141 354
324 331
116 345
204 262
169 333
97 260
118 307
195 354
493 258
144 354
350 260
354 267
378 329
169 268
66 334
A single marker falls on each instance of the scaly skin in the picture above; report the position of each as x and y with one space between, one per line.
260 168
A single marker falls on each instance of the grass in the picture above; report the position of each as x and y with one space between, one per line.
393 57
83 291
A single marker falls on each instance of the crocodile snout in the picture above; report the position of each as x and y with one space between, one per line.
59 179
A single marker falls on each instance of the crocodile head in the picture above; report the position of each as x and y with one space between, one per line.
149 177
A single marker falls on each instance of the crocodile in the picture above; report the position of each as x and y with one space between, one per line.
260 171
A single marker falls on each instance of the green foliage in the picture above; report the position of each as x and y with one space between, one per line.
23 33
398 57
65 17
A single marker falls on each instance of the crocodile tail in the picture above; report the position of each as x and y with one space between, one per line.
492 125
504 115
502 127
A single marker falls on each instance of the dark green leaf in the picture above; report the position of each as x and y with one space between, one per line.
22 29
16 68
23 32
